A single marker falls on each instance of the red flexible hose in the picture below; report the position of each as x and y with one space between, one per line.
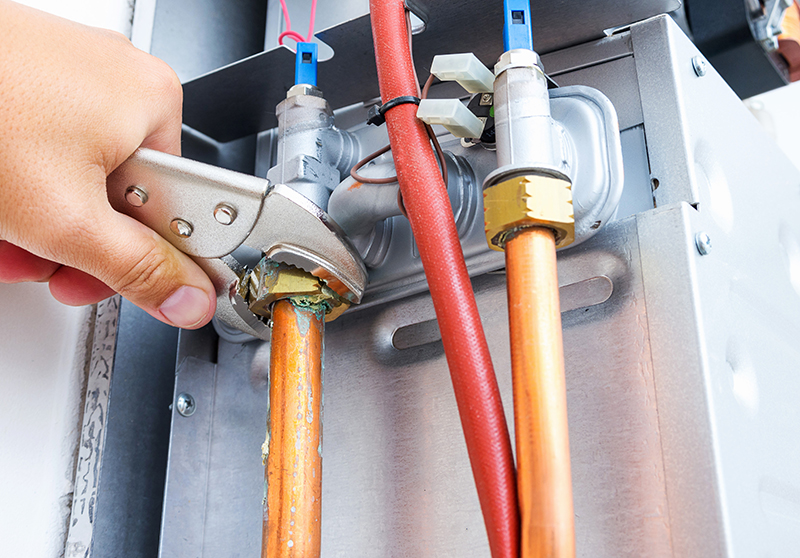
431 217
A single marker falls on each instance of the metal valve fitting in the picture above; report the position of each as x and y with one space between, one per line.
313 155
271 281
528 201
529 188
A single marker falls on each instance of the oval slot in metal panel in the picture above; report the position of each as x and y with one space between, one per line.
415 335
582 294
589 292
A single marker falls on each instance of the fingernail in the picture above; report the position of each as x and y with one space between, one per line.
187 307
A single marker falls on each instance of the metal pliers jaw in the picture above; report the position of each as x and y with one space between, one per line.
209 212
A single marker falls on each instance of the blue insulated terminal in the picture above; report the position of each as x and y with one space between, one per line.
305 65
517 32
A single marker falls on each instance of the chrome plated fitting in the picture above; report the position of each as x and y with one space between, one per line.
304 89
530 187
528 140
517 58
313 154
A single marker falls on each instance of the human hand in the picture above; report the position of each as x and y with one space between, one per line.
76 102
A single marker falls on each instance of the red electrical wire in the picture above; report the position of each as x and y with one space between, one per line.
286 15
294 34
431 218
311 19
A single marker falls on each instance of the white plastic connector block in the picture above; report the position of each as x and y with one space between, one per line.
466 69
453 115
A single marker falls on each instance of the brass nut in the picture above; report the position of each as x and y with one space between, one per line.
528 201
271 281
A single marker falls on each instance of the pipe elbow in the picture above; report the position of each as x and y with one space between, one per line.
357 207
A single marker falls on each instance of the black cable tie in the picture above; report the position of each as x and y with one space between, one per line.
377 114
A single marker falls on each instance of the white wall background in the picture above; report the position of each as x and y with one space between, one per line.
42 359
41 388
779 112
110 14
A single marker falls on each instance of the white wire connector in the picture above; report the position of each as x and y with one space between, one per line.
453 115
466 69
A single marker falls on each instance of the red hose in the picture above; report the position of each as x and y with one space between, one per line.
428 206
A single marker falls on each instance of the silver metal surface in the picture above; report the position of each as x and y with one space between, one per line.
517 58
189 190
597 173
130 491
661 80
225 112
527 137
231 334
303 89
606 65
299 233
681 368
313 155
703 243
274 220
357 207
589 54
93 432
194 38
745 305
637 195
365 210
396 478
135 196
185 405
691 478
224 214
204 515
587 125
766 26
699 65
181 227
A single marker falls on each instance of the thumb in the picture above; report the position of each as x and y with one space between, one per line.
148 271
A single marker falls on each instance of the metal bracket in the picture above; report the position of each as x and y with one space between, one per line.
767 27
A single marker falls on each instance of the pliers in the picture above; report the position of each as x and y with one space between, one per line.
209 213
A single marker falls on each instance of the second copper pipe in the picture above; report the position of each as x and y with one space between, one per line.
292 511
544 478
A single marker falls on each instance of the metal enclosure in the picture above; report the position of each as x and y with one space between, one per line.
682 368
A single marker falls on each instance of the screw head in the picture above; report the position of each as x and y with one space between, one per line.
224 214
486 99
185 405
181 228
136 196
703 243
699 65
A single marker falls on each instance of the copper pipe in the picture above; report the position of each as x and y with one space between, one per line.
292 525
544 479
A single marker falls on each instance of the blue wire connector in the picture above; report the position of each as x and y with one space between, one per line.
305 64
517 32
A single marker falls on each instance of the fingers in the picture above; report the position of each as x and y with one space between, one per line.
147 270
69 286
19 266
165 133
75 103
75 288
